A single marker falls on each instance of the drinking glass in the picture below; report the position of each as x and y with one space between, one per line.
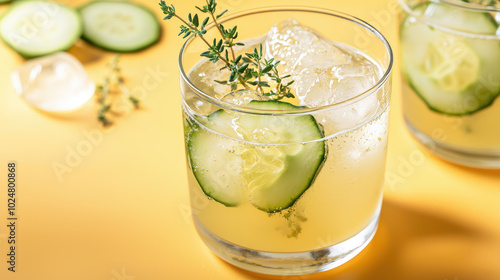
298 204
450 59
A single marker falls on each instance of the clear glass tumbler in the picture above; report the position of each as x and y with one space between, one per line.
450 59
286 187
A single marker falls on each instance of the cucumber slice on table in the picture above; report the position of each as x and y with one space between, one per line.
453 74
119 26
37 28
273 177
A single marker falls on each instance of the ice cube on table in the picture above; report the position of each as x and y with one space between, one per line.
54 83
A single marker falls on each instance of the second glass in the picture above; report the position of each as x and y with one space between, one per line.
451 64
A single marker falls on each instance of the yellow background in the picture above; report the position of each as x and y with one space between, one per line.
122 212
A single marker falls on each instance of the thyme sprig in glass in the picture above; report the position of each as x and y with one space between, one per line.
246 70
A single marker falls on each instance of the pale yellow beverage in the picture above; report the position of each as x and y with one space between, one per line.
471 133
450 53
294 185
345 198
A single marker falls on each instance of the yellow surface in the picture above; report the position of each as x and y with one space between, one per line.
122 213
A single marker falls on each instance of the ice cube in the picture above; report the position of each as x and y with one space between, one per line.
53 83
299 47
325 73
198 106
205 74
349 81
323 86
242 97
204 77
349 116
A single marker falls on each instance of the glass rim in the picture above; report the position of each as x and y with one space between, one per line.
302 110
471 6
461 5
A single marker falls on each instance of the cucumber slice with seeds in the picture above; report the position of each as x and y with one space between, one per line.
119 26
272 176
37 28
449 72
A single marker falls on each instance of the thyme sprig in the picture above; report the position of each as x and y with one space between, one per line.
246 70
112 78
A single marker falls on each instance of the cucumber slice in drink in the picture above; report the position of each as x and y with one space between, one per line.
272 176
119 26
453 74
37 28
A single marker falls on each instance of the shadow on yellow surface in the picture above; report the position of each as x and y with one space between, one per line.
86 53
487 173
412 244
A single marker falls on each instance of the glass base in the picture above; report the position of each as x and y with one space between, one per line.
456 155
289 263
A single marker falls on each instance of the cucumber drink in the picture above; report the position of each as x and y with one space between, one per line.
450 54
289 186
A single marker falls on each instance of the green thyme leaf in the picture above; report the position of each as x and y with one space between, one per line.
246 70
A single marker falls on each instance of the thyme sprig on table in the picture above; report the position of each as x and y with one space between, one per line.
112 78
246 70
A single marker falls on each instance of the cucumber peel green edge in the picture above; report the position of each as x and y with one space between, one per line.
195 127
